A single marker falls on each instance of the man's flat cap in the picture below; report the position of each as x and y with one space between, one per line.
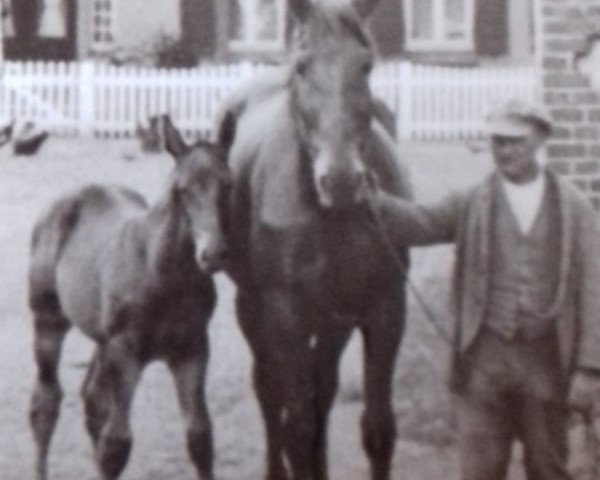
515 118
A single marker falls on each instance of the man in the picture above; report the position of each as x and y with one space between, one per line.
526 293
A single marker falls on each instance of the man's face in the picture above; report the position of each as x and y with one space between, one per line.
515 157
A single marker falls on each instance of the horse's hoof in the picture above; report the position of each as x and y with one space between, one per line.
113 454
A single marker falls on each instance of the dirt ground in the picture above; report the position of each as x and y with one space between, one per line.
424 450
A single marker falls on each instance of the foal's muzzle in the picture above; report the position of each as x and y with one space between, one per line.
210 253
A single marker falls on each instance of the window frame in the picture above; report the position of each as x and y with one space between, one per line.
254 44
104 44
438 43
43 5
6 16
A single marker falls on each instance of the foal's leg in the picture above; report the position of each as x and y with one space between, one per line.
190 377
382 336
94 393
49 332
123 372
329 347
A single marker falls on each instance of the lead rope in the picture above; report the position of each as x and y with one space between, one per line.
591 434
401 266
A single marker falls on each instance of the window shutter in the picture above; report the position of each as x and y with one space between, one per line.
387 27
491 27
25 15
199 33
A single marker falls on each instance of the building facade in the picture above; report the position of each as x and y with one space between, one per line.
427 31
77 29
569 59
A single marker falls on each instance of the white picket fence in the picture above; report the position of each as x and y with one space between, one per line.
96 99
440 102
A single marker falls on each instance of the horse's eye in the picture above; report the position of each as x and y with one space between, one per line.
366 67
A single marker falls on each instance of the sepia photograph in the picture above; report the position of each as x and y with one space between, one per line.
300 239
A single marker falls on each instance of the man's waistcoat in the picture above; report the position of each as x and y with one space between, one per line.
524 269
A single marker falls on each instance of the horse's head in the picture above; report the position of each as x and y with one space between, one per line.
330 96
200 183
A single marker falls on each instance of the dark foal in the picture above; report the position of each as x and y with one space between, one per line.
308 264
137 281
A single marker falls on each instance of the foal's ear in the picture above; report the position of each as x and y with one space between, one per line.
300 9
365 7
174 143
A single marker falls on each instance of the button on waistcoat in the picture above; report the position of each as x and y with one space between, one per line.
524 269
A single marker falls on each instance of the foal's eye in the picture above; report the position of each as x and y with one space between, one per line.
302 68
303 63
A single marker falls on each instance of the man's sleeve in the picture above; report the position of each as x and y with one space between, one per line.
589 298
409 223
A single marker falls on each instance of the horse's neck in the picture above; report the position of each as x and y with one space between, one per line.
169 236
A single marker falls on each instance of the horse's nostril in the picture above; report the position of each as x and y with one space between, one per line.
212 258
345 185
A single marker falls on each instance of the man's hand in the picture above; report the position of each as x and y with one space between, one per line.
585 391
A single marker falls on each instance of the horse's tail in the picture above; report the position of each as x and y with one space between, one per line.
49 237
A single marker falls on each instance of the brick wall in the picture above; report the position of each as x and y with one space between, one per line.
565 29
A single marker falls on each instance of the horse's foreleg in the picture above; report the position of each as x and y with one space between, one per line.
94 394
190 376
270 400
50 331
287 364
329 347
382 337
268 391
123 372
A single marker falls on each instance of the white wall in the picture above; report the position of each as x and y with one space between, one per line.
520 44
138 23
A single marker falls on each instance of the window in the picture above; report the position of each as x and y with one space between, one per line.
256 25
39 29
53 19
102 25
8 23
439 25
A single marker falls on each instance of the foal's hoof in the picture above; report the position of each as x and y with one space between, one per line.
113 454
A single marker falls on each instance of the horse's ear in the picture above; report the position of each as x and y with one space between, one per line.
300 9
174 143
365 7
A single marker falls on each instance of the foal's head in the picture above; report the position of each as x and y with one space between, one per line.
200 183
331 97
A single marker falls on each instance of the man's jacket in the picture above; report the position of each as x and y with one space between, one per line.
465 219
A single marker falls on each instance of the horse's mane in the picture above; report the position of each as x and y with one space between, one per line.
331 21
327 21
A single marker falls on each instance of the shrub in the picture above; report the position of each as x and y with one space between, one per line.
171 52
